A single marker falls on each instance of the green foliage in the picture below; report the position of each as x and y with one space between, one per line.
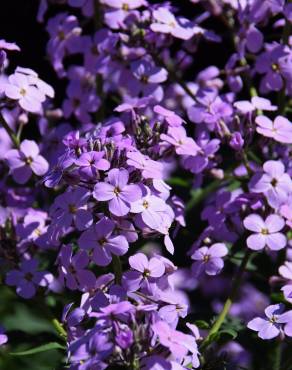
42 348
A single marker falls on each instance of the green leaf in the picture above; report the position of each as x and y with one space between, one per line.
223 336
177 181
201 324
27 321
42 348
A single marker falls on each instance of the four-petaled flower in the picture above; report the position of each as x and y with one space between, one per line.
117 191
27 279
209 259
25 161
279 130
266 232
274 322
144 271
21 89
100 238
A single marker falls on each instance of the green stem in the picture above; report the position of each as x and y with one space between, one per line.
276 357
9 131
59 328
228 303
117 267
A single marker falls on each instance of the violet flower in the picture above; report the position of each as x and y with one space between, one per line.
25 161
266 232
273 324
117 191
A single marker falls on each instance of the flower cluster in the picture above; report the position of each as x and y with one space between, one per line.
148 181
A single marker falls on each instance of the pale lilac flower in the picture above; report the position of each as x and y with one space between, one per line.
11 46
266 232
120 10
183 144
124 4
28 96
34 80
285 271
170 117
256 103
25 161
286 212
209 259
3 337
178 343
143 271
149 208
27 279
100 238
117 191
274 183
165 22
279 130
148 73
271 326
150 169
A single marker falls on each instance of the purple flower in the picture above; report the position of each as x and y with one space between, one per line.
3 337
90 350
25 161
72 207
148 73
144 271
285 272
256 103
274 183
286 212
254 39
27 279
165 22
183 144
150 169
114 312
34 80
209 259
99 238
64 33
266 232
262 9
21 89
176 342
271 326
89 163
150 210
210 109
11 46
80 103
279 130
117 191
72 269
86 5
170 117
273 64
